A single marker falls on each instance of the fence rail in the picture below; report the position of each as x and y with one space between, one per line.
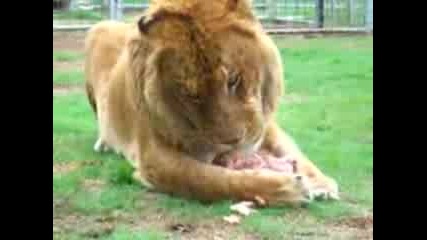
278 16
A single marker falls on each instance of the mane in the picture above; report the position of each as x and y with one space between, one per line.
190 26
205 12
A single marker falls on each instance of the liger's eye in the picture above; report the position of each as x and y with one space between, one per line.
233 82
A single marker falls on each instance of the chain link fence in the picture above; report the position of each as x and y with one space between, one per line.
276 15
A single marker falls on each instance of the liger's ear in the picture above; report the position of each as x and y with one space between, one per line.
150 18
144 24
146 21
243 7
232 5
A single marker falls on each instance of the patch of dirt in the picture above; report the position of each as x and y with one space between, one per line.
321 232
302 225
103 225
85 226
216 230
349 233
175 227
61 168
60 90
357 227
364 222
72 41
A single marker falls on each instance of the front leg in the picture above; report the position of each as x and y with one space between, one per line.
281 144
173 172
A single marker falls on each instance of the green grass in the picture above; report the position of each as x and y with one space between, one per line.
67 56
68 77
123 233
332 122
120 233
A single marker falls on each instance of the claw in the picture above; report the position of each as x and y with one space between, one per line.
98 147
325 194
334 196
320 194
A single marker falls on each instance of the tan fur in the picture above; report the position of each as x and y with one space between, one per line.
164 95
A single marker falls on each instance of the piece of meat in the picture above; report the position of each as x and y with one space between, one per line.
258 160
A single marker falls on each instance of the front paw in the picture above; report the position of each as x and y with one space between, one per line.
327 189
293 190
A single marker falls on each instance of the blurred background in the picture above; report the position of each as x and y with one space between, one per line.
277 15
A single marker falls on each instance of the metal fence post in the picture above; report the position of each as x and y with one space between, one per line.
369 14
112 8
320 11
352 9
333 12
119 9
271 10
73 5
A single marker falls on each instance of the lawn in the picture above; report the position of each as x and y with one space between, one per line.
328 110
